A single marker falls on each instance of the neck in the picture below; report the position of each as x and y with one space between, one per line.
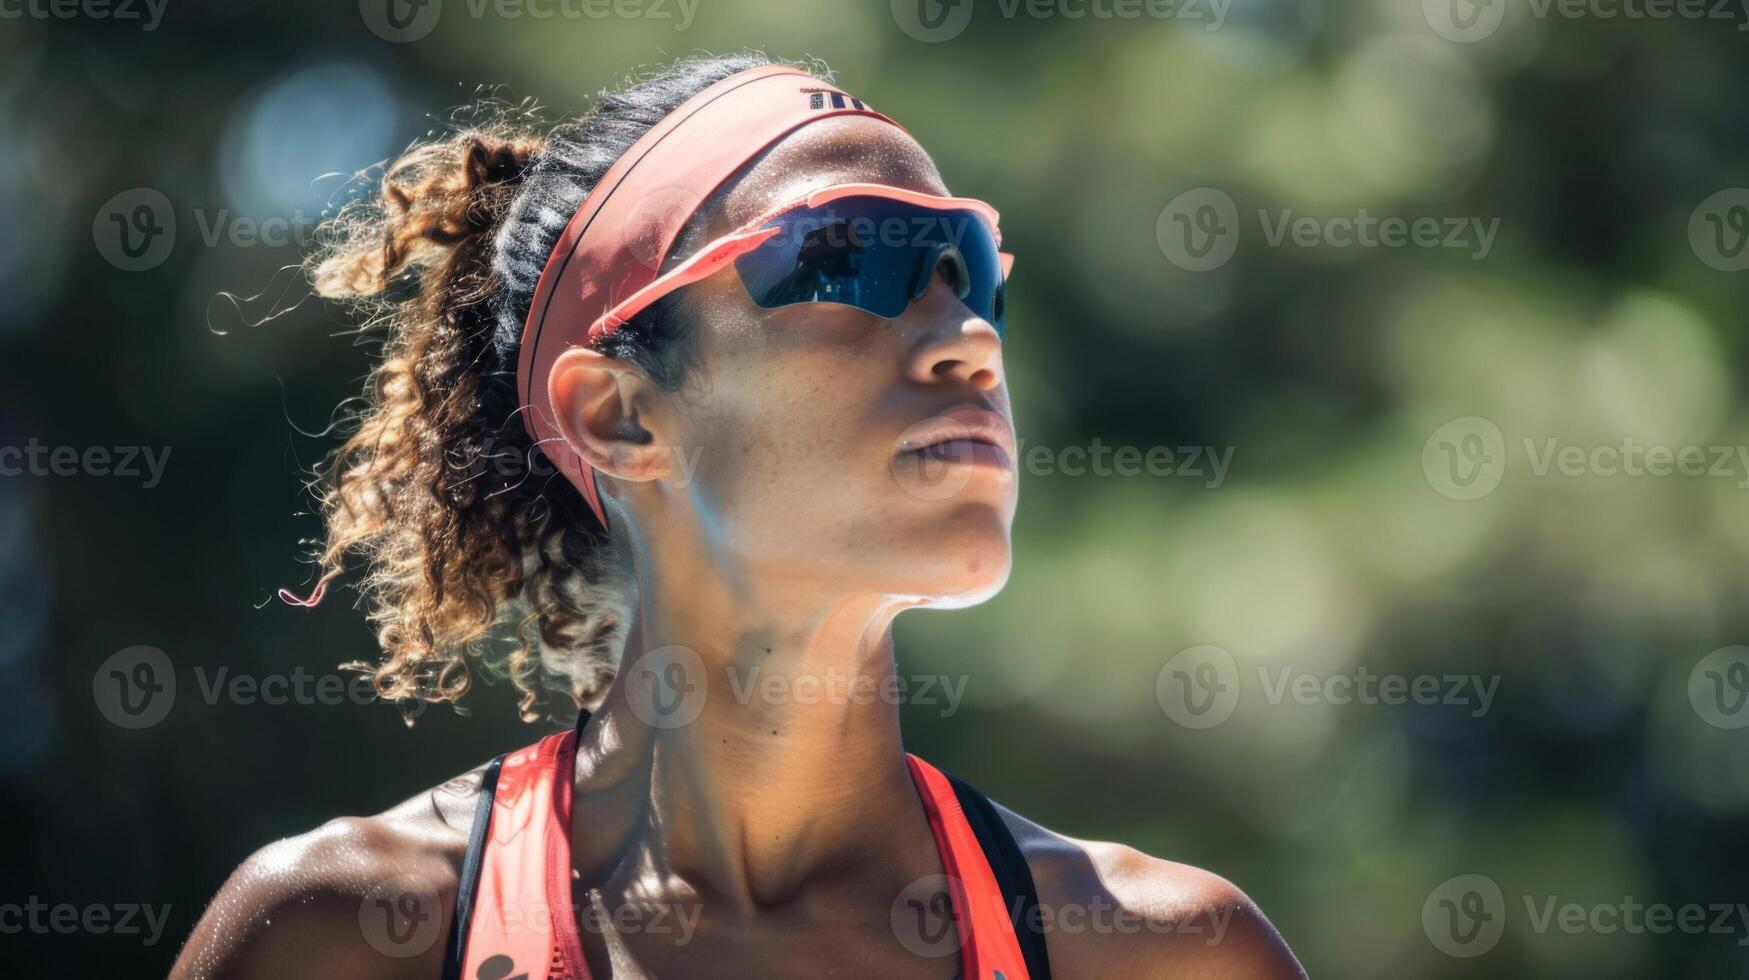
749 747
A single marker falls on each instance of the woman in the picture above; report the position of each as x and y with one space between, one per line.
736 310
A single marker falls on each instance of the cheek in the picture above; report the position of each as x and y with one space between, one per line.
794 425
789 434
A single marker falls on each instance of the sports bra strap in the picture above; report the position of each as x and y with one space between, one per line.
522 922
989 943
518 853
1013 876
470 880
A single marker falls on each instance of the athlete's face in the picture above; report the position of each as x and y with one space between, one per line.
803 415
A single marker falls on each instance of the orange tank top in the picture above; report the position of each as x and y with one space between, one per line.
515 920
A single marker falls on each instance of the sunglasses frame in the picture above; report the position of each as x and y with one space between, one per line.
723 251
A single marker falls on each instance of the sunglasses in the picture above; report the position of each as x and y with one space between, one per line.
868 246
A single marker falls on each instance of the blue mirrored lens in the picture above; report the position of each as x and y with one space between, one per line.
875 254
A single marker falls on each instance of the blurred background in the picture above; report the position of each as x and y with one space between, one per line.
1380 365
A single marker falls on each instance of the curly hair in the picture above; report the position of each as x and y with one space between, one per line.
478 555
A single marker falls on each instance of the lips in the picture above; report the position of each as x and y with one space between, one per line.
965 434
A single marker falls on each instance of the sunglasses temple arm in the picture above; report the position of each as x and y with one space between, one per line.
713 257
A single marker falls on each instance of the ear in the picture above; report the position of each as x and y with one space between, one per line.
602 406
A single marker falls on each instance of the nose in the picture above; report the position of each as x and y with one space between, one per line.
952 343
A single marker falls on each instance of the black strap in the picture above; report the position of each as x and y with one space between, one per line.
457 946
1012 874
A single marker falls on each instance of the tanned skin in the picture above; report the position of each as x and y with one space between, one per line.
783 547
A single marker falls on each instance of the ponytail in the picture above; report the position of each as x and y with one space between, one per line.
477 554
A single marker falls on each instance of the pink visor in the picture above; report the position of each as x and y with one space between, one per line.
606 266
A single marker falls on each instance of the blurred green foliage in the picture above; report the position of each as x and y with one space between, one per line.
1602 313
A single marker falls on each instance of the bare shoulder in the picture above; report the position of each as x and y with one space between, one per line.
1111 910
358 897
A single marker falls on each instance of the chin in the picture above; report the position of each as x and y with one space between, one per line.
961 569
971 595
